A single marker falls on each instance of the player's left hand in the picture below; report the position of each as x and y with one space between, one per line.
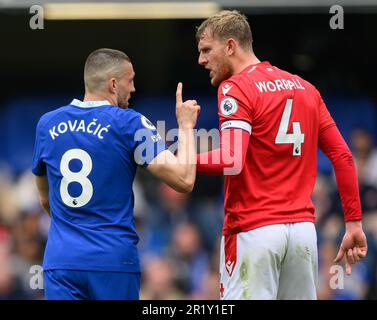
186 111
353 246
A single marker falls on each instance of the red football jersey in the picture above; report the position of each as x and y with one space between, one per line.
284 115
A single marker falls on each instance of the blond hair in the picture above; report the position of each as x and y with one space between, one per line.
228 24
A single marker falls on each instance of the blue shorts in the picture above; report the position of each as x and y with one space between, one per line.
91 285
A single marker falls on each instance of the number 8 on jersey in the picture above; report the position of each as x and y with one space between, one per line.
81 177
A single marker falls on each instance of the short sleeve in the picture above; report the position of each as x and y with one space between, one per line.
233 107
148 142
38 165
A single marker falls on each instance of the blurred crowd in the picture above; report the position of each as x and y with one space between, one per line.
180 234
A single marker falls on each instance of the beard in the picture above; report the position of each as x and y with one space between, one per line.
123 102
224 72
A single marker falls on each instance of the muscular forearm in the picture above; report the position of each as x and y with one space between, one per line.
178 171
186 155
335 148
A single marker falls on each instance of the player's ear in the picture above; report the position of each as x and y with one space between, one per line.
112 85
230 46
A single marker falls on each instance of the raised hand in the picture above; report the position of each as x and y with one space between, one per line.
186 112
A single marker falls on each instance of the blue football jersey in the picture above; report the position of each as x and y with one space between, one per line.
90 152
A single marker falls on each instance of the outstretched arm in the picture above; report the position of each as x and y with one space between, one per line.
354 244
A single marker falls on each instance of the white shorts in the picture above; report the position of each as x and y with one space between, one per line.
273 262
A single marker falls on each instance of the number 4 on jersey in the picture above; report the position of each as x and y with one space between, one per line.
296 138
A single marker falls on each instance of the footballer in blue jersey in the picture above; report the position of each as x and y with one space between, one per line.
85 159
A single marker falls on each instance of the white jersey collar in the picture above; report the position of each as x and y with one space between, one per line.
89 104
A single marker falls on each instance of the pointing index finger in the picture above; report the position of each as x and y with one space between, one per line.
179 92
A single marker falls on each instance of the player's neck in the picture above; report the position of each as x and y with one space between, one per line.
243 61
98 97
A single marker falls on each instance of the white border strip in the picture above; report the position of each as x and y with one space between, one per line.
239 124
89 104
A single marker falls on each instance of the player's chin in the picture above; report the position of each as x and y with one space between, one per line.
124 105
215 81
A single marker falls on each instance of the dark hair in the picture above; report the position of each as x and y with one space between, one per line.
101 65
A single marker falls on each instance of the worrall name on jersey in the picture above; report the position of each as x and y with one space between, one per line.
279 85
79 126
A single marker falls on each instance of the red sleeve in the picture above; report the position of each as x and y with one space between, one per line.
229 159
325 118
233 105
235 127
333 145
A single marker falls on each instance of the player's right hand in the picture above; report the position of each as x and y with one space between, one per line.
354 245
186 112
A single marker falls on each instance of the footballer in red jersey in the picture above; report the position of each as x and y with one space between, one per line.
272 123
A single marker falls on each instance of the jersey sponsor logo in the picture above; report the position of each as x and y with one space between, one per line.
228 106
226 89
252 69
146 123
156 137
229 267
230 248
